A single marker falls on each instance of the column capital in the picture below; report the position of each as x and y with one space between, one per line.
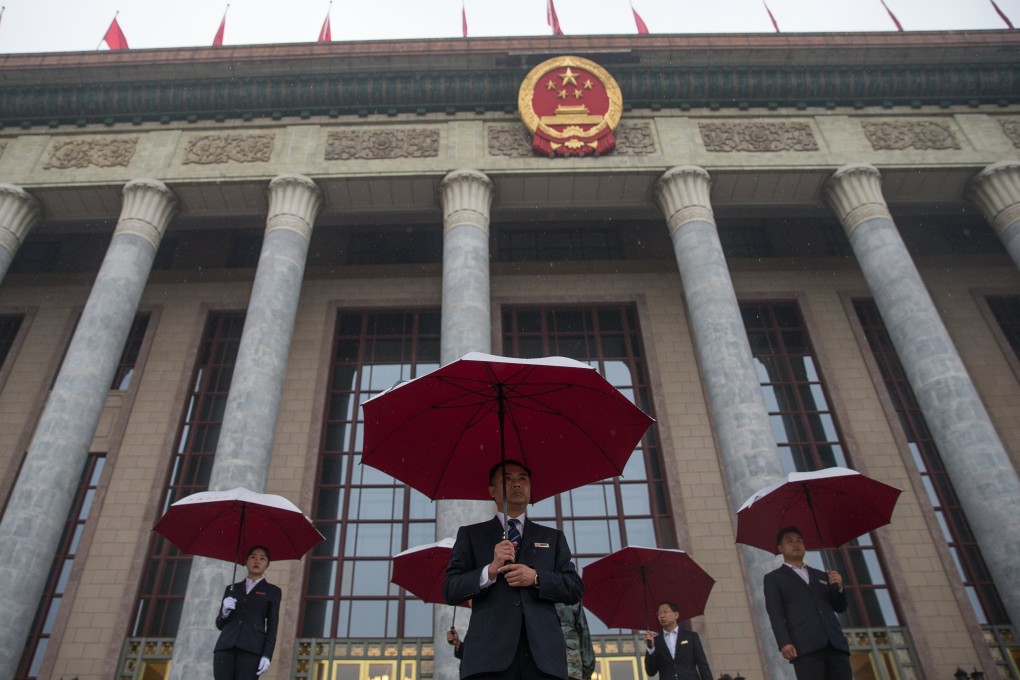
466 196
148 207
996 191
294 203
683 194
19 213
854 192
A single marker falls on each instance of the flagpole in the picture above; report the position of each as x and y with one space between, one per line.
115 15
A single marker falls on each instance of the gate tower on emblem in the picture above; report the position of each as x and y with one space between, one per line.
571 106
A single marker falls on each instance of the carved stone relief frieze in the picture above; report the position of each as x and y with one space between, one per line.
102 153
509 140
758 137
1011 128
634 139
210 149
920 135
382 144
3 147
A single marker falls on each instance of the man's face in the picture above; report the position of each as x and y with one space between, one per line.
518 489
667 617
791 547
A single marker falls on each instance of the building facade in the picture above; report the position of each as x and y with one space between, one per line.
803 252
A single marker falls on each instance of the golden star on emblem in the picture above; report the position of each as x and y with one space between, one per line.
578 94
550 85
569 77
587 84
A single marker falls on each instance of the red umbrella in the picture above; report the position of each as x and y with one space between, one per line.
624 588
829 507
442 433
420 570
224 525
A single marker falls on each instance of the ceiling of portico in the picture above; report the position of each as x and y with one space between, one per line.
397 199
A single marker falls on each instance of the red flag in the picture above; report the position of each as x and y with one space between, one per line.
114 37
899 27
1002 15
551 18
771 18
463 19
642 27
217 40
325 34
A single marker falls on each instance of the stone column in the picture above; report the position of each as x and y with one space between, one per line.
983 477
466 196
42 497
740 419
245 444
19 213
996 191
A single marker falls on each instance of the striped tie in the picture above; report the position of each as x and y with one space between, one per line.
513 533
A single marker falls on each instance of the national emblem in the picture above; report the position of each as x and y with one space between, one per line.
571 105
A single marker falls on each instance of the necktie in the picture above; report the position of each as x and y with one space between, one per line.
513 533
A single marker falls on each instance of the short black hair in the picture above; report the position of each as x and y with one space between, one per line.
788 530
673 606
269 558
501 465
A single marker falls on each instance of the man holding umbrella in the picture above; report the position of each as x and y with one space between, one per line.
514 571
802 604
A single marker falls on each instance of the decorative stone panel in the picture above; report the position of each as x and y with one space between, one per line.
210 149
3 147
634 139
509 140
1011 128
758 137
102 153
382 144
920 135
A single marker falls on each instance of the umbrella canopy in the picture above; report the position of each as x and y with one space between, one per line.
442 433
829 507
624 588
224 525
420 570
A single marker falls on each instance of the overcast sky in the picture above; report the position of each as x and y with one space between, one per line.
79 25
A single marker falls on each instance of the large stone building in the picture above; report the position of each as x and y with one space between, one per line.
802 252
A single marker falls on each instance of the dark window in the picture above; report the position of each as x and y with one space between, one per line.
10 324
809 438
528 244
166 570
398 247
56 583
126 367
365 515
633 509
1006 309
955 529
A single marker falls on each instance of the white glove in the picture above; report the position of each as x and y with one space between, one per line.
229 604
263 665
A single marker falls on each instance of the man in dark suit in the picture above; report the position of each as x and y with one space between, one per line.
514 585
675 654
247 622
802 603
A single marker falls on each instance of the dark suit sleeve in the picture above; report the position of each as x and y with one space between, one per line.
272 619
562 583
652 660
462 574
776 610
220 621
700 660
837 598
